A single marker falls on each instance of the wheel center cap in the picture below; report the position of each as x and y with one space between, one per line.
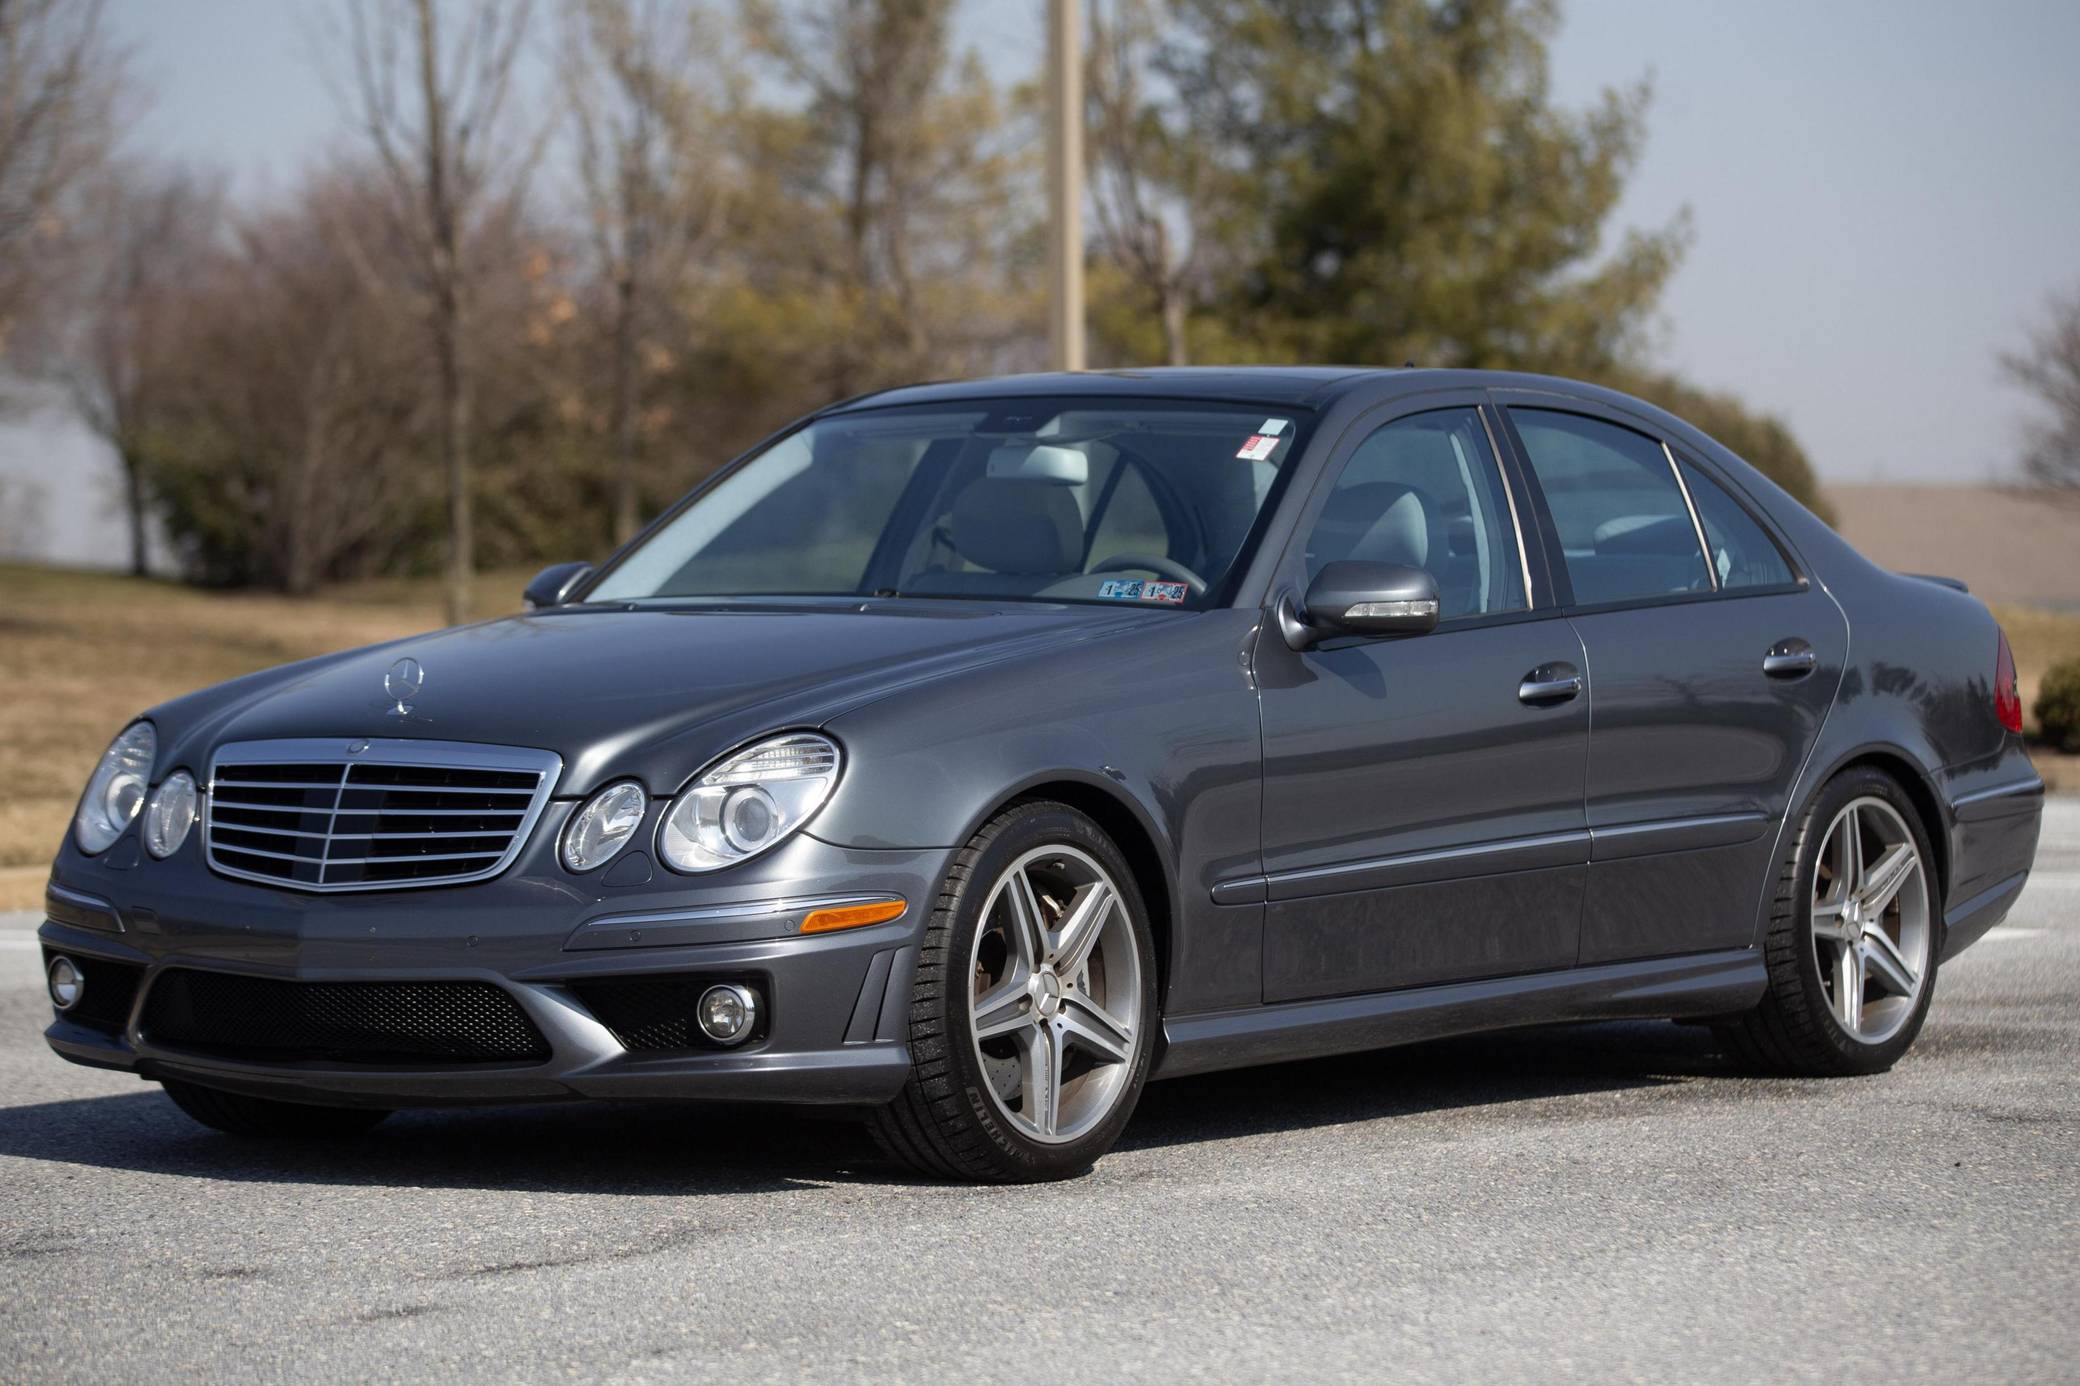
1047 994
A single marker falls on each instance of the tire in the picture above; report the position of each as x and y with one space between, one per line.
267 1119
958 1116
1798 1028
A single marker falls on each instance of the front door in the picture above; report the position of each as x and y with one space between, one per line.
1423 816
1714 666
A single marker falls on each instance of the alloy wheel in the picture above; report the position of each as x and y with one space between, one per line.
1055 997
1870 915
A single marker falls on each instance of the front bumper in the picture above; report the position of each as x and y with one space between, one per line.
837 1003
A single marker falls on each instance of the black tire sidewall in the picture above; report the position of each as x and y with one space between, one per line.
1023 830
1856 1054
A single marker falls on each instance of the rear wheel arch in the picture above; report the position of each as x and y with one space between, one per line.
1899 766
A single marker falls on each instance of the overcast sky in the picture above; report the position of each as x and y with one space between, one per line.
1883 193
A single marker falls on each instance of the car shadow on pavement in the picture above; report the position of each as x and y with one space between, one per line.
668 1149
1490 1075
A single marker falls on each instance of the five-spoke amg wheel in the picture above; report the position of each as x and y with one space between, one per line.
1033 1017
1852 943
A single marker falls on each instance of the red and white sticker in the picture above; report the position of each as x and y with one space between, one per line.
1257 448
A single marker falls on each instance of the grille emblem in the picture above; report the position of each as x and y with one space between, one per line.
402 683
355 748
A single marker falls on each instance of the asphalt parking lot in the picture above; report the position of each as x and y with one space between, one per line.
1609 1202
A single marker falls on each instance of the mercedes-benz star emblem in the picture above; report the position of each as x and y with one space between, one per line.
402 683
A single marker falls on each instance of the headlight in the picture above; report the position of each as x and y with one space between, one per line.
169 815
604 826
116 791
749 801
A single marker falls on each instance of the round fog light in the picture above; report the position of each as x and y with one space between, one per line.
67 983
726 1013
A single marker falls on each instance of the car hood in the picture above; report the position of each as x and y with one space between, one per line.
650 693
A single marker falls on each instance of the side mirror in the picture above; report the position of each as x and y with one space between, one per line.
553 585
1352 598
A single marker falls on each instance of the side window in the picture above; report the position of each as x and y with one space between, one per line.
1131 522
1623 527
1742 553
1424 491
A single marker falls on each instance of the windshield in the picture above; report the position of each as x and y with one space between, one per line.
1146 502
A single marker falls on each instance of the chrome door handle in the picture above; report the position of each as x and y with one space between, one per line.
1790 659
1550 683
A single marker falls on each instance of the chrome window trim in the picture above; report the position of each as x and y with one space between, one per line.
547 766
1509 496
1704 545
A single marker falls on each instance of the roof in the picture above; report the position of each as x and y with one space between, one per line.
1293 385
1296 386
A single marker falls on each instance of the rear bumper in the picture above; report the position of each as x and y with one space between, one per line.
836 1005
1993 843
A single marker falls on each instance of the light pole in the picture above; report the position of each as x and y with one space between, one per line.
1065 185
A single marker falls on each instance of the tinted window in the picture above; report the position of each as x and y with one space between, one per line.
1623 527
1742 554
1424 491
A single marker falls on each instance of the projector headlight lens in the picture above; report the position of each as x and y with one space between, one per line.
169 815
749 801
115 791
599 831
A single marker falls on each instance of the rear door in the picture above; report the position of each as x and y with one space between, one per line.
1714 663
1423 794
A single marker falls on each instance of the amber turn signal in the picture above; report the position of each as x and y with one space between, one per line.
853 916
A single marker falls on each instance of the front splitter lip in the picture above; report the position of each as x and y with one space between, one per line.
855 1075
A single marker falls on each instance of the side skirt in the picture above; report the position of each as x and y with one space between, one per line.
1696 984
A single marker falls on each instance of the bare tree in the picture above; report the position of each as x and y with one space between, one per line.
148 233
1152 185
433 108
644 89
2050 369
60 84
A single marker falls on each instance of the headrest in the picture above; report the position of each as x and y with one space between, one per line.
1402 533
1043 462
1018 527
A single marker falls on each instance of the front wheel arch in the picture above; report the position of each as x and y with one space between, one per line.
1125 823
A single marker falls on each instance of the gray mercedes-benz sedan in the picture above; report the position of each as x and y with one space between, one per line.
967 755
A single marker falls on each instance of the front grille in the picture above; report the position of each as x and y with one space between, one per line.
111 989
655 1014
266 1018
312 816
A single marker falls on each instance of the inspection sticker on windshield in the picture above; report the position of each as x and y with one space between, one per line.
1140 590
1257 448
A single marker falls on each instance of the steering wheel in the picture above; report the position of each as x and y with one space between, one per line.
1152 563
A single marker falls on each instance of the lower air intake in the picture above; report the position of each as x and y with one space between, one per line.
266 1019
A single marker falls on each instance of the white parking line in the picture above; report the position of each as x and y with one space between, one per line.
2007 932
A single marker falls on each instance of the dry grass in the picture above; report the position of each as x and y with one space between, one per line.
83 653
2011 546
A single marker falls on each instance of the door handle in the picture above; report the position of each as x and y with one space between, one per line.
1550 683
1790 659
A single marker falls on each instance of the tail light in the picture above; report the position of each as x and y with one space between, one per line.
2007 697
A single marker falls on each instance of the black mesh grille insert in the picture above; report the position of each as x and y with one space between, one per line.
652 1014
111 990
345 1022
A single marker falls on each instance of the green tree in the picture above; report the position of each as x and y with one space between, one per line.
1763 440
1422 197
